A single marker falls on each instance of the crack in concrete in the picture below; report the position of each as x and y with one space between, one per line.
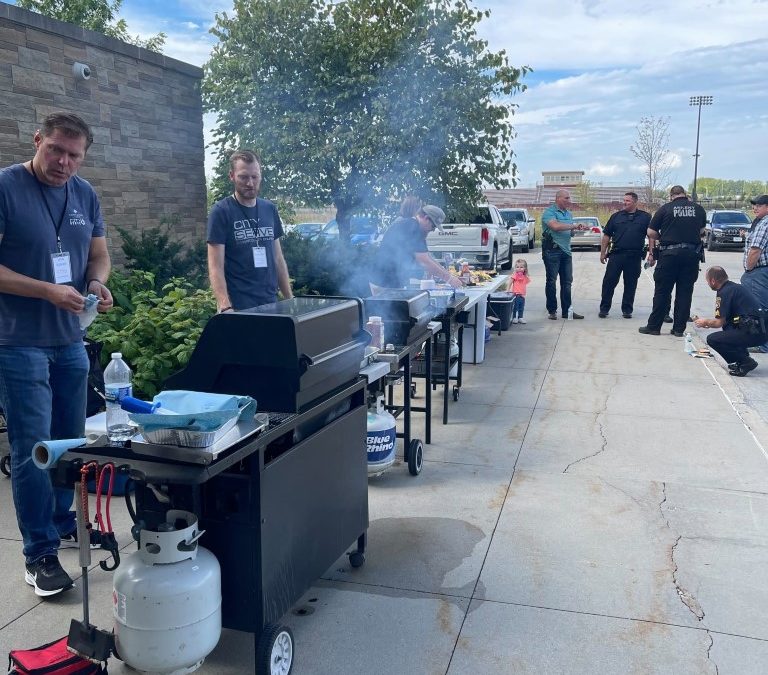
709 652
686 597
598 419
602 449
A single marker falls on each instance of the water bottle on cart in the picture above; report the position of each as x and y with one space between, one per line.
117 385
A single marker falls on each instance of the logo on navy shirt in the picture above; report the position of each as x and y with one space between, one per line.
248 230
76 218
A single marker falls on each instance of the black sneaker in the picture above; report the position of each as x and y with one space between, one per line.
603 315
647 330
47 576
741 369
70 540
627 315
553 316
677 333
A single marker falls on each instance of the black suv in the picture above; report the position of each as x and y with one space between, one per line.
726 229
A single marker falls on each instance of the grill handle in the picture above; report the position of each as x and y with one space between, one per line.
306 361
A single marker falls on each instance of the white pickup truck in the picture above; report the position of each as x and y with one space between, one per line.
483 241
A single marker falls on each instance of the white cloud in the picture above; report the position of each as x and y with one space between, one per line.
190 25
604 170
568 34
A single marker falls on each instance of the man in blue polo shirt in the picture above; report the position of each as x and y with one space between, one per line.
556 228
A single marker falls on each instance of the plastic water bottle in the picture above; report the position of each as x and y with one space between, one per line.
117 385
570 313
689 344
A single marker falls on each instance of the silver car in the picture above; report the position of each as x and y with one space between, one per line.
589 232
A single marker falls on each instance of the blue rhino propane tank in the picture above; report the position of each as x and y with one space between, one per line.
381 439
167 600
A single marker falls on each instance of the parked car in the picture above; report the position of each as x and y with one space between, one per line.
307 230
481 239
589 232
364 229
726 229
521 227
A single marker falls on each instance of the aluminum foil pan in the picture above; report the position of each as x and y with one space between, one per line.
186 438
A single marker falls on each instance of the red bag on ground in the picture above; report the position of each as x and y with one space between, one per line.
51 659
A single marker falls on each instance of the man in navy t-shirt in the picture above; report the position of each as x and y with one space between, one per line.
52 254
245 261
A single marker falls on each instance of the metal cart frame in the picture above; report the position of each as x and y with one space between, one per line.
277 509
401 362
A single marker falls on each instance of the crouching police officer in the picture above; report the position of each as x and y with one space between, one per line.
737 313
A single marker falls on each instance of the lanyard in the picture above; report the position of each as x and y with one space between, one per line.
56 227
245 213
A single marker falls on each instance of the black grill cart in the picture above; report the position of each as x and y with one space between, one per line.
279 507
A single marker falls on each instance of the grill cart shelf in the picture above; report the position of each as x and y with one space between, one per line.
443 362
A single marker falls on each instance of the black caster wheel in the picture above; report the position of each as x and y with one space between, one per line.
5 465
415 457
356 559
413 391
274 655
456 391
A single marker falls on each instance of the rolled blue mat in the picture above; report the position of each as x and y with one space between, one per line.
46 453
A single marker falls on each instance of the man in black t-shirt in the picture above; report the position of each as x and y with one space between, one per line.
678 226
625 232
404 248
245 261
736 313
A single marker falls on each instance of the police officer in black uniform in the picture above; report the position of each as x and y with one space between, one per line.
736 312
677 226
625 232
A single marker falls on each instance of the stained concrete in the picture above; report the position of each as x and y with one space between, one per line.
597 502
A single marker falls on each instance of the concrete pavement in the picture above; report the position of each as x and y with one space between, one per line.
598 502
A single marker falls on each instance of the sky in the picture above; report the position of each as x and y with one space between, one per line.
599 66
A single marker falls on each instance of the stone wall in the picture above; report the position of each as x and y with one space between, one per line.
146 162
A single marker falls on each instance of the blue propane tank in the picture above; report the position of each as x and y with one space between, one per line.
381 439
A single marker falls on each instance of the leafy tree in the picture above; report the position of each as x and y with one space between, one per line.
715 188
362 102
96 15
585 195
652 148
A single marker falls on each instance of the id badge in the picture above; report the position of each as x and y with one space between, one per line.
259 256
62 269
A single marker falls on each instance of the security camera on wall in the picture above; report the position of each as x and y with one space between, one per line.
81 71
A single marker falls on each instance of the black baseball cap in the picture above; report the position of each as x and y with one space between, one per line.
762 200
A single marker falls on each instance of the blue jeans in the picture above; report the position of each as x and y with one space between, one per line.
518 306
558 263
756 281
43 392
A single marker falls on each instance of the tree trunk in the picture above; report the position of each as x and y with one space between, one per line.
343 217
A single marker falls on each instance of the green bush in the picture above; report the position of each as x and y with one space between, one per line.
156 330
153 250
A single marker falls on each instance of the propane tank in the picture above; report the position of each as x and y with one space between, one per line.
167 600
381 439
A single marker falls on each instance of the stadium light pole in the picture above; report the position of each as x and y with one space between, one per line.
698 101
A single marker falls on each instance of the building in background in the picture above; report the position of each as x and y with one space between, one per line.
145 109
543 194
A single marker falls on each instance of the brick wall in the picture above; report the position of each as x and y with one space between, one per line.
146 161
